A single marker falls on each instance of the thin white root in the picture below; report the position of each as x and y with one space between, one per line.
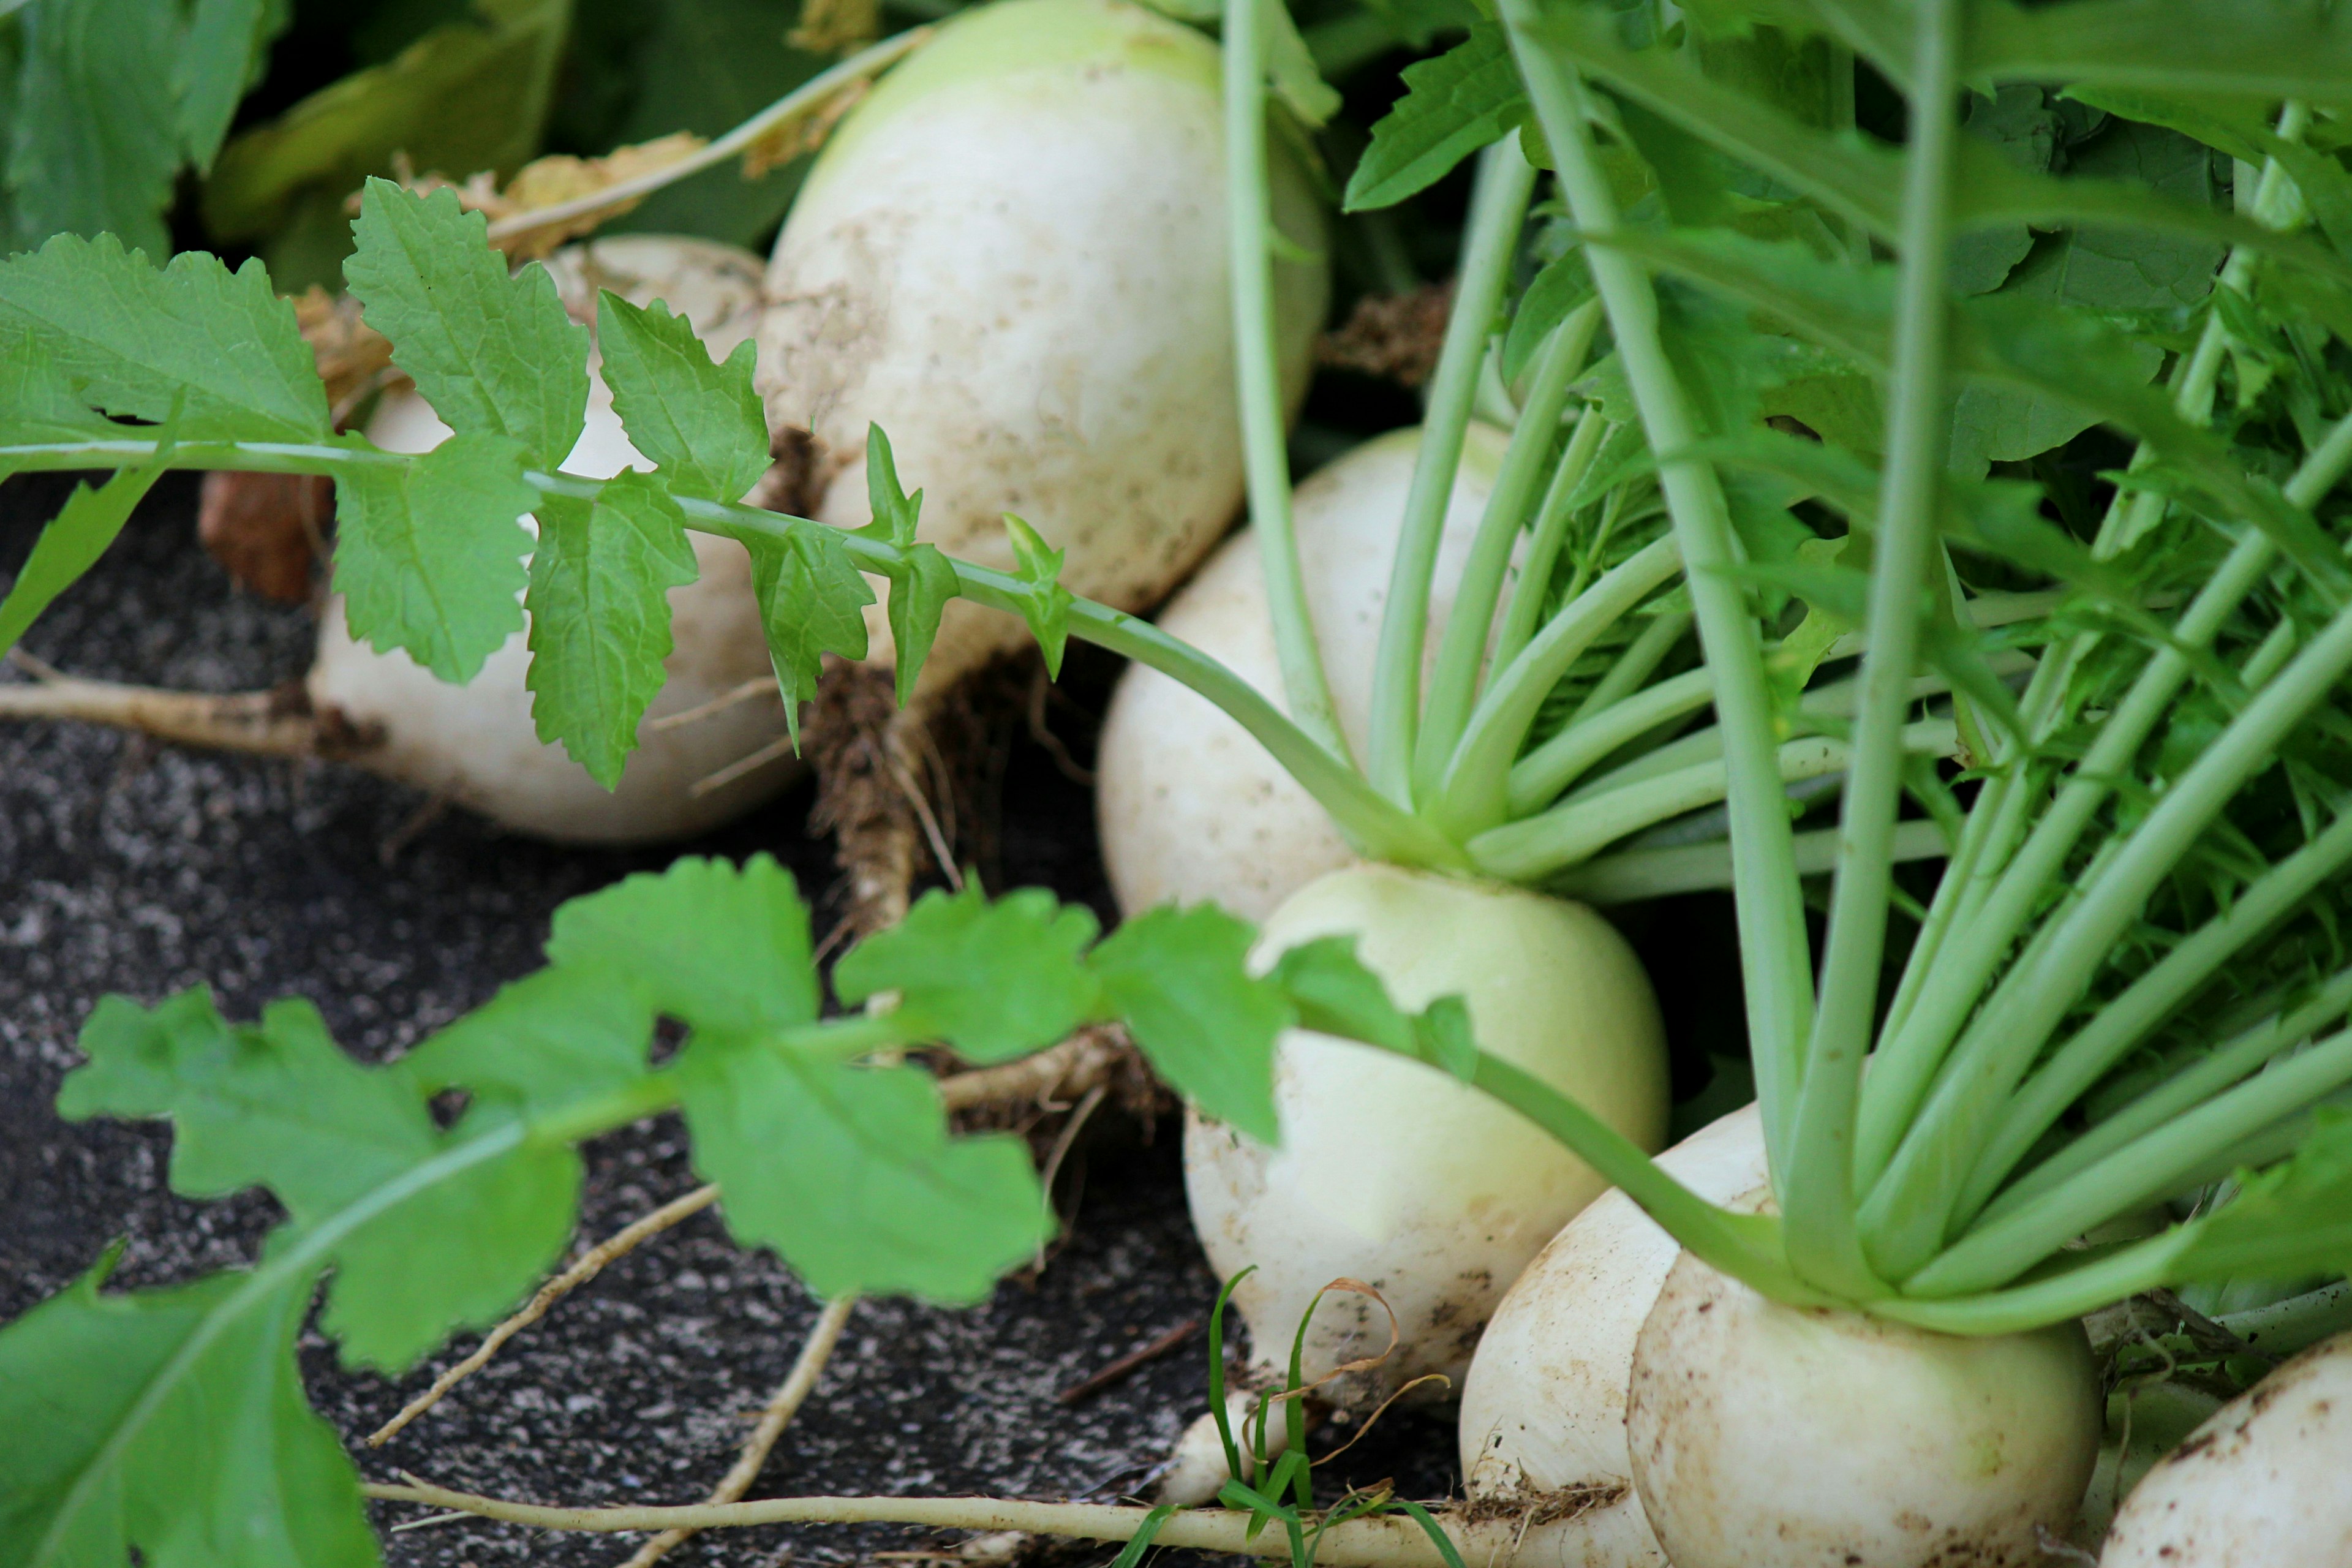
735 769
264 723
1387 1541
790 1395
758 685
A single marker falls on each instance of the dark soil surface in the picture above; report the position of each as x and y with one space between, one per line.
127 866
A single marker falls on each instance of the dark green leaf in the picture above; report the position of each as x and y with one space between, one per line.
224 53
1178 978
600 624
994 980
849 1173
1559 288
94 142
1047 606
428 553
813 601
169 1426
1454 104
700 422
70 546
38 403
493 353
136 341
722 948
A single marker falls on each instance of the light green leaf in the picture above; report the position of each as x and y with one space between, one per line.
277 1105
553 1038
1559 288
1332 991
169 1428
136 341
428 552
995 980
922 587
849 1173
894 513
1455 103
1290 67
2293 1219
700 422
38 404
599 624
1178 979
722 948
1046 604
70 545
813 601
493 353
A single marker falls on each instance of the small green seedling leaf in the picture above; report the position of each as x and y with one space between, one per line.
1177 977
428 553
722 948
492 353
813 601
164 1425
700 421
599 626
136 341
1046 604
70 545
278 1105
1454 104
849 1173
995 980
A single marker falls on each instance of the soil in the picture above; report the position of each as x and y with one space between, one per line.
128 866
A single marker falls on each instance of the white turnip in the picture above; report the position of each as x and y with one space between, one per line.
1010 255
1190 806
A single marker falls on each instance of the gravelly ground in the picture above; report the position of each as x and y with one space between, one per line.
131 867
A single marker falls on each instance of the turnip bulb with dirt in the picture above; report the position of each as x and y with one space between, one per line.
476 744
1010 255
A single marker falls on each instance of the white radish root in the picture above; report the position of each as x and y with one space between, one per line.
1190 806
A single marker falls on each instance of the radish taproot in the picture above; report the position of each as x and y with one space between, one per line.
1390 1174
1010 255
1189 806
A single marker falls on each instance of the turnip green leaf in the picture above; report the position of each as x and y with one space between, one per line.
429 554
813 601
2293 1219
551 1039
1331 991
169 1426
134 340
700 421
70 545
599 624
849 1173
1047 606
1208 1025
493 353
894 513
920 589
994 979
94 132
721 947
1454 104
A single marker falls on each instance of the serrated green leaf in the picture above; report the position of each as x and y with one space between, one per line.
1046 604
135 340
600 622
849 1173
700 421
2293 1219
919 595
549 1040
428 552
721 947
813 601
169 1428
70 545
1178 979
995 980
1455 104
894 513
38 403
1332 991
493 353
278 1105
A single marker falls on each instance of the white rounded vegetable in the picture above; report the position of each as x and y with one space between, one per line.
1190 806
1769 1436
1010 255
2260 1485
474 743
1543 1410
1393 1173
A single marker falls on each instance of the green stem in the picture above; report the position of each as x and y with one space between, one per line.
1462 647
1640 660
1532 590
1497 207
2066 1294
1776 960
1472 794
2160 1160
1249 236
1638 875
1539 776
1817 1188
